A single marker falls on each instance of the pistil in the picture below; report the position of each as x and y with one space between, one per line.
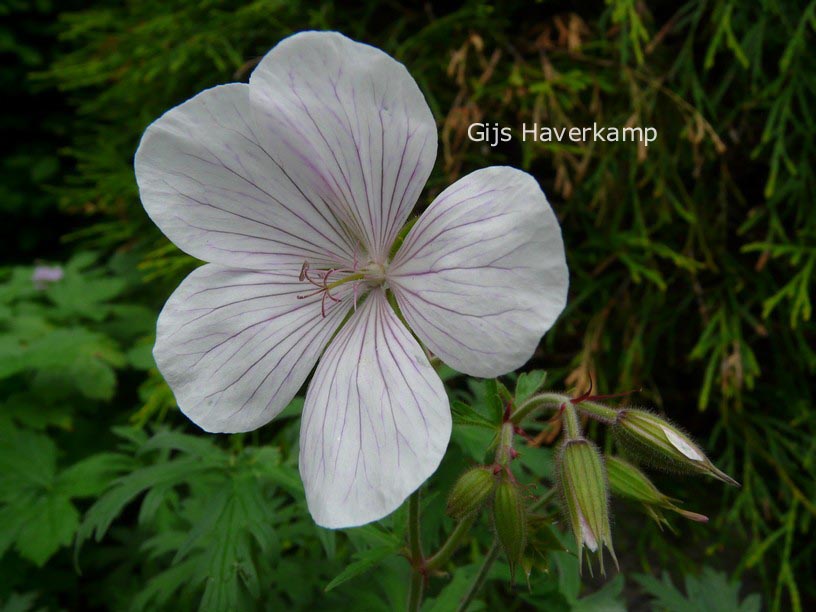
373 274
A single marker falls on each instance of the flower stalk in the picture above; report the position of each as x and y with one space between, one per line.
536 403
569 417
415 550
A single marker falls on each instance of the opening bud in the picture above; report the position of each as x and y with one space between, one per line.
650 434
510 521
585 497
471 492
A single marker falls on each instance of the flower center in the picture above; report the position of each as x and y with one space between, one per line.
327 279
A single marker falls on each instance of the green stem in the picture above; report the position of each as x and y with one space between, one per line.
474 589
542 400
598 411
415 547
572 426
415 594
506 436
451 544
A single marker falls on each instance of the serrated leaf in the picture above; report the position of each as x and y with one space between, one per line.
28 461
228 553
710 592
90 476
191 445
161 587
493 403
529 383
53 521
124 490
606 599
81 294
464 414
364 561
12 518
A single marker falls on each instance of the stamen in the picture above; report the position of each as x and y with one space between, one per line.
320 280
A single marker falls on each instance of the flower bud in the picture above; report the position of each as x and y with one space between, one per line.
510 521
655 436
584 493
470 491
625 480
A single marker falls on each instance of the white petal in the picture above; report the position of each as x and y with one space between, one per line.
221 196
680 444
376 421
235 346
482 275
350 122
587 535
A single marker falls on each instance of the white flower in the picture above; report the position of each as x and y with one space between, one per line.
295 188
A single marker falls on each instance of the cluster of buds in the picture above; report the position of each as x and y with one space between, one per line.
584 478
495 485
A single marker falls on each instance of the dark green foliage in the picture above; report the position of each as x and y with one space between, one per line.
711 592
692 276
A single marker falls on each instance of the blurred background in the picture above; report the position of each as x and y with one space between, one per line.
692 262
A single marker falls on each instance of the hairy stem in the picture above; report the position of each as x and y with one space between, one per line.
569 416
542 400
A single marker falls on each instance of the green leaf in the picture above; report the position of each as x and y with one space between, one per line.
28 461
606 599
92 475
364 561
140 357
124 490
18 602
464 414
84 295
82 357
710 592
529 383
52 523
450 596
493 403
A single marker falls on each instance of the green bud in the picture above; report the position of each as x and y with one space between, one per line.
625 480
510 521
584 493
470 492
655 436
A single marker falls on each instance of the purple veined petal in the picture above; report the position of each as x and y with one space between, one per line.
376 421
235 346
482 274
214 189
351 123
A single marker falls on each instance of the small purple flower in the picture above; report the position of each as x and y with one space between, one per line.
43 275
295 188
